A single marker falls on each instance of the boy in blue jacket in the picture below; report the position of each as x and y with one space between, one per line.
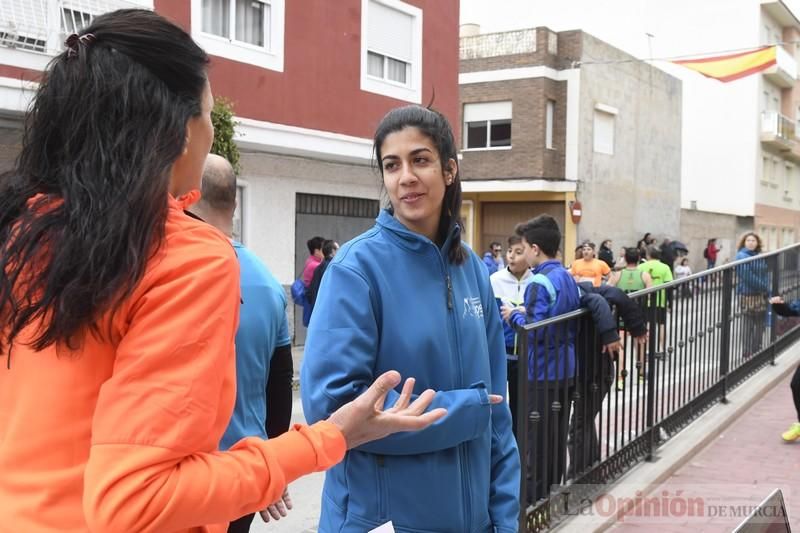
551 352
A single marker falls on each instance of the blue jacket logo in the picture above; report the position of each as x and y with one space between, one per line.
473 307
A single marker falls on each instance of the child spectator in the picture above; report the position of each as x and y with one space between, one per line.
508 285
551 350
683 270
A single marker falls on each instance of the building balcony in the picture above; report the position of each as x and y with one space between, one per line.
784 72
779 133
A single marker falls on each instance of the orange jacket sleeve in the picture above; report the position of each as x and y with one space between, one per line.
153 464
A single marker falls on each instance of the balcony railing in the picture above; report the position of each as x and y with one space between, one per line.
41 25
776 125
579 431
784 72
498 44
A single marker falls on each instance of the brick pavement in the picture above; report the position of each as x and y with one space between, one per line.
742 465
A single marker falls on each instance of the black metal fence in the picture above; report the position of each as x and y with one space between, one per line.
590 417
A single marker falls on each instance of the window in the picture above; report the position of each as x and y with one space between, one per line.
245 21
248 31
391 48
766 166
73 20
487 125
550 112
603 132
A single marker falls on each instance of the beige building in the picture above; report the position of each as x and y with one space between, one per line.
541 129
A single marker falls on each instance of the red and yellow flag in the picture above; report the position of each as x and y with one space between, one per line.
733 66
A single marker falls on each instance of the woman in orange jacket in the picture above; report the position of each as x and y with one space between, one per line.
119 311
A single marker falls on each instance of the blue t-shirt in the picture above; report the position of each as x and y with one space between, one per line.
262 328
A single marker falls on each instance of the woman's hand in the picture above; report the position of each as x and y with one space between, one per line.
364 419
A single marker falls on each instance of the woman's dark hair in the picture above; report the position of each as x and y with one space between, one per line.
604 244
314 243
543 232
435 126
85 207
327 248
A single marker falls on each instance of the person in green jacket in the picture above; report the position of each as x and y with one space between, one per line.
659 274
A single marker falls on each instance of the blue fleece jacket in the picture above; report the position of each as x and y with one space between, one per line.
391 300
753 277
551 350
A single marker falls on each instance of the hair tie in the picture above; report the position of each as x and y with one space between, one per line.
74 41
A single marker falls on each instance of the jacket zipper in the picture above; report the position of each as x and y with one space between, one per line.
462 448
449 291
382 496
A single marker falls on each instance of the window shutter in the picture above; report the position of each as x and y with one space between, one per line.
487 111
390 32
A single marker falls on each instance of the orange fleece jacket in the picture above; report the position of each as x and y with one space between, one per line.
122 436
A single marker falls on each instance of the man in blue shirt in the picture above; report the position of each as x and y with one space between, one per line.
263 347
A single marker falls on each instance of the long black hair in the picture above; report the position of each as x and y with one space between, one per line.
435 126
85 207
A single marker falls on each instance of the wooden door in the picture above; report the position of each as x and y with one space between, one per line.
498 220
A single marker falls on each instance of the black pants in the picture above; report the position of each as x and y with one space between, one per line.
547 437
752 332
796 391
242 525
583 442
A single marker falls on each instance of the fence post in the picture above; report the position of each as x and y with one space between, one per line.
522 424
774 290
725 337
652 346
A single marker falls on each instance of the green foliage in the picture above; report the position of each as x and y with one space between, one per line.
224 126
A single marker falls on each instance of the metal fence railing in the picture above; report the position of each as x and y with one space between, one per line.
586 427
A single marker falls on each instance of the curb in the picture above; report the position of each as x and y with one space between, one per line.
690 441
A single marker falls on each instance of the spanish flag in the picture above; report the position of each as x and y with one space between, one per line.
733 66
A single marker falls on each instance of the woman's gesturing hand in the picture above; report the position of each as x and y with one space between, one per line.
364 419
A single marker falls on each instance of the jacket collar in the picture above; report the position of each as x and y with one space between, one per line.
549 262
411 239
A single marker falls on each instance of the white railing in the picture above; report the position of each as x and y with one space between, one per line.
786 62
498 44
779 125
41 25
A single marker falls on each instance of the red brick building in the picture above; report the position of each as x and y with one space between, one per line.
309 81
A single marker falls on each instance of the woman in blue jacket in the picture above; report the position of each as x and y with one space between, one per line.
409 295
752 288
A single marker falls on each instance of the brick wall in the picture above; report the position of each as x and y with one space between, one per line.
528 156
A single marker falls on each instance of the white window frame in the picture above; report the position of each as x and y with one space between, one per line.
487 112
598 147
267 57
412 90
243 208
549 119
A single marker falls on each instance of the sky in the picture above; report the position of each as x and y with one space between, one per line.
603 19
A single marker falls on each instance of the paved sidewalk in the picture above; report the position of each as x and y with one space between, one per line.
741 466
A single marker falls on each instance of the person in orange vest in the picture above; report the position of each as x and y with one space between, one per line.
119 310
